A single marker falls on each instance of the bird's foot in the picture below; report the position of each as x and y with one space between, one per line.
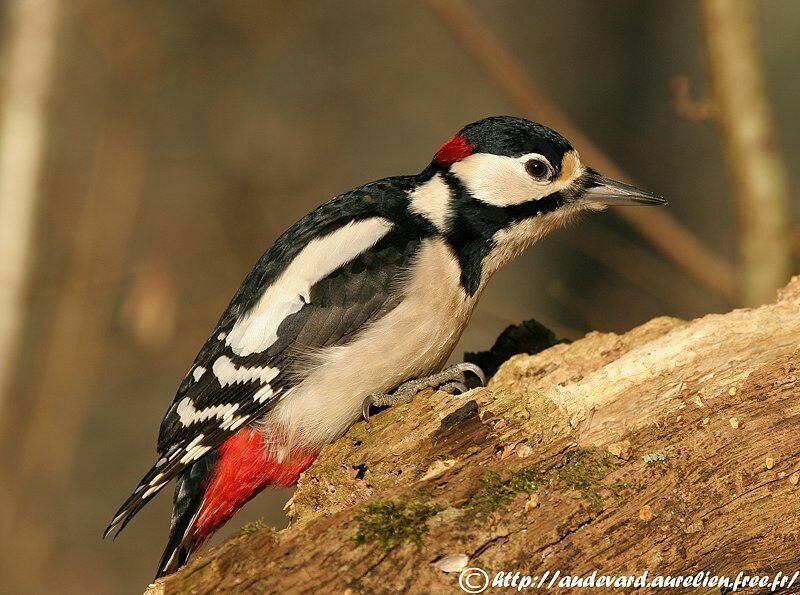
450 380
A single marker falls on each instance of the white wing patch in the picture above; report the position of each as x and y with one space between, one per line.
194 450
153 490
229 373
256 331
194 454
262 329
198 373
264 393
233 423
189 415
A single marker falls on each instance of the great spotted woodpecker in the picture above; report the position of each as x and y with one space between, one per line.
365 295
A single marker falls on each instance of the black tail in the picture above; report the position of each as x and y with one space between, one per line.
189 491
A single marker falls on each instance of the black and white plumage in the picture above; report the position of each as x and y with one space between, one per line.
369 290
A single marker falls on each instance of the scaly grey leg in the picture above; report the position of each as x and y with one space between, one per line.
450 379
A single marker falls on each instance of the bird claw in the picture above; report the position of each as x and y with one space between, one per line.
368 402
468 367
452 378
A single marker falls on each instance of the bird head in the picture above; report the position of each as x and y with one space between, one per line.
505 161
508 182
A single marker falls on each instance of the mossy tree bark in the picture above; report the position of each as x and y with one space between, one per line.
672 448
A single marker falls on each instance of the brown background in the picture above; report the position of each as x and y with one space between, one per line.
183 137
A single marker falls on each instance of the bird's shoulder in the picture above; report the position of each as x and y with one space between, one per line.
329 274
386 198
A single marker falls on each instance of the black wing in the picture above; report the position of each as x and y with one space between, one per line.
207 410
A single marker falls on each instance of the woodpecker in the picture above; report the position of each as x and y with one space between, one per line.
358 304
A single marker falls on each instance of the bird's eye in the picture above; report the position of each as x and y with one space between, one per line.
537 168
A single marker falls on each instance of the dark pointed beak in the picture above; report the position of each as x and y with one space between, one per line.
605 191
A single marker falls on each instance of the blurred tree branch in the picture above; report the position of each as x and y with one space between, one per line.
676 243
757 170
31 27
43 451
78 341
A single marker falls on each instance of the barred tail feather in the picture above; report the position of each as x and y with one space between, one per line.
211 490
143 493
189 492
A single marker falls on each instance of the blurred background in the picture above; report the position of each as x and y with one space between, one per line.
151 151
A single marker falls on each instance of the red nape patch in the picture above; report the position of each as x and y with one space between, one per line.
243 469
453 150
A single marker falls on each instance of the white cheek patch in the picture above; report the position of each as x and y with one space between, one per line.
432 201
258 329
499 180
503 181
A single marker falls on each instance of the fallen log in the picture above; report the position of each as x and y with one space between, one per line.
672 448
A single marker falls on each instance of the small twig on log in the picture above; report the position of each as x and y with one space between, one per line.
757 168
664 232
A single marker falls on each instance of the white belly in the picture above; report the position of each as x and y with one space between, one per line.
414 339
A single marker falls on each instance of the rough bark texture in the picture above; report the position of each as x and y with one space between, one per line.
672 448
